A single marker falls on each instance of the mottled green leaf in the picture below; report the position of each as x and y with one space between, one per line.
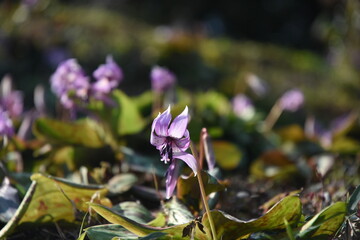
325 223
134 211
141 230
55 199
177 212
51 199
121 183
83 132
230 228
109 231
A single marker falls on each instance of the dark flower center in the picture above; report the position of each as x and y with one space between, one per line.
166 151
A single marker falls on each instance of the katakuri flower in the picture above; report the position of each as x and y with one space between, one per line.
243 107
291 100
172 139
11 101
69 83
6 126
162 79
108 76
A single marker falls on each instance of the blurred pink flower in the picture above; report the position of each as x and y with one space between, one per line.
69 83
162 79
292 100
108 76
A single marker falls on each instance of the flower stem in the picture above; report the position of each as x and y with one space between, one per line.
203 194
273 116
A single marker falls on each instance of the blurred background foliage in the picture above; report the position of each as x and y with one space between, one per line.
312 45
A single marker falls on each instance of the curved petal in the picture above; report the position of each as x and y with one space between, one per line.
178 126
161 123
172 175
180 145
188 159
157 141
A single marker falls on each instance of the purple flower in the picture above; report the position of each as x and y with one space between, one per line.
11 101
292 100
108 77
172 139
6 126
161 79
69 82
314 129
243 107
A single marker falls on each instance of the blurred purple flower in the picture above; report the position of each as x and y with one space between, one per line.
11 101
6 126
108 77
291 100
313 129
172 140
243 107
69 82
162 79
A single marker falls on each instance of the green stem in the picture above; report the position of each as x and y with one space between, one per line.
203 194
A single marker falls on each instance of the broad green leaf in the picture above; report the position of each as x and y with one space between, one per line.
188 187
109 231
159 221
134 211
83 132
293 133
353 201
144 101
214 101
141 230
70 158
51 199
230 228
345 145
227 155
127 117
325 223
268 204
177 212
121 183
